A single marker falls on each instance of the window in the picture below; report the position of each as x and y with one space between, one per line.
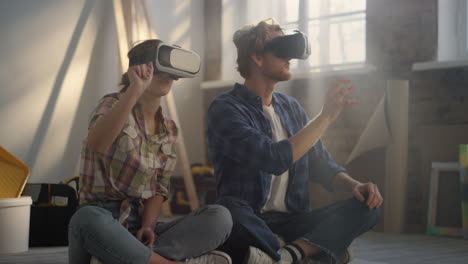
336 29
452 36
452 30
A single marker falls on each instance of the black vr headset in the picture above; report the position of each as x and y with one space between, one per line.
294 46
170 59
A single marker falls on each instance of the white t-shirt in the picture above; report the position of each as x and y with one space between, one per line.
276 200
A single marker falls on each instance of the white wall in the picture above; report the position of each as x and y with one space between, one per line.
58 58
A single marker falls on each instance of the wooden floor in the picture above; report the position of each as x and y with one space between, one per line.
381 248
371 248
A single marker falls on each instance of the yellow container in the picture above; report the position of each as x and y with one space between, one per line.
13 175
463 151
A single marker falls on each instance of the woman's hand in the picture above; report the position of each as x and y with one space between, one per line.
146 235
335 99
140 77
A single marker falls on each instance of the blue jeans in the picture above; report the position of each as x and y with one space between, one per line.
331 228
95 230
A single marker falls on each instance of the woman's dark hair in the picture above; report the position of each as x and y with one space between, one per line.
137 50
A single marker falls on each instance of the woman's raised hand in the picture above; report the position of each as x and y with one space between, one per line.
140 77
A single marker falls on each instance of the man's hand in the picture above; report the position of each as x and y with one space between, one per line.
146 235
335 99
371 191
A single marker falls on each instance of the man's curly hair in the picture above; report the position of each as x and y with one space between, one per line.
251 39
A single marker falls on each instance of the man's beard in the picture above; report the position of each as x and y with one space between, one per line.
281 76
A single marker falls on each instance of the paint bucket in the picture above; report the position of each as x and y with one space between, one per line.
14 224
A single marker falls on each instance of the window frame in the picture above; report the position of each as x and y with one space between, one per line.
302 23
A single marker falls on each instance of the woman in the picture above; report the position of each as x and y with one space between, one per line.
126 162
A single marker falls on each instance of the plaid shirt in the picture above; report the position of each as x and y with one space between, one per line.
135 167
245 156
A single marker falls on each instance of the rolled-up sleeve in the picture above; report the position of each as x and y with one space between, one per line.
322 167
105 104
231 134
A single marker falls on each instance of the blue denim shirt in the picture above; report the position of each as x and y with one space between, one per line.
244 155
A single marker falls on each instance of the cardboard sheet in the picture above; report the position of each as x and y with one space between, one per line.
376 134
388 127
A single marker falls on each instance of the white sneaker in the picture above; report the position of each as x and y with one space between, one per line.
307 260
346 258
95 260
212 257
257 256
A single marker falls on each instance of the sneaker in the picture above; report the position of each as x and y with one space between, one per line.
212 257
257 256
346 258
95 260
308 260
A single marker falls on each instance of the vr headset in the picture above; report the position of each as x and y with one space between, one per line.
170 59
295 46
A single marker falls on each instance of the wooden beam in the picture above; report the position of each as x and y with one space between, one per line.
123 42
180 144
396 176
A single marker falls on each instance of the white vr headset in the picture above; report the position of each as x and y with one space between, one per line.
170 59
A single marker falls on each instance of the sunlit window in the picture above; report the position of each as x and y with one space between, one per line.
452 30
336 30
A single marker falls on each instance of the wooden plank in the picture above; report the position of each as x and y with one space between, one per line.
123 42
138 33
182 154
396 176
180 144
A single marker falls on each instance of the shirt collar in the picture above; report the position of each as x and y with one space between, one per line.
244 93
140 120
159 117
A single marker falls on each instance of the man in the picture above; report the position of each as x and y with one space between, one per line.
265 151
